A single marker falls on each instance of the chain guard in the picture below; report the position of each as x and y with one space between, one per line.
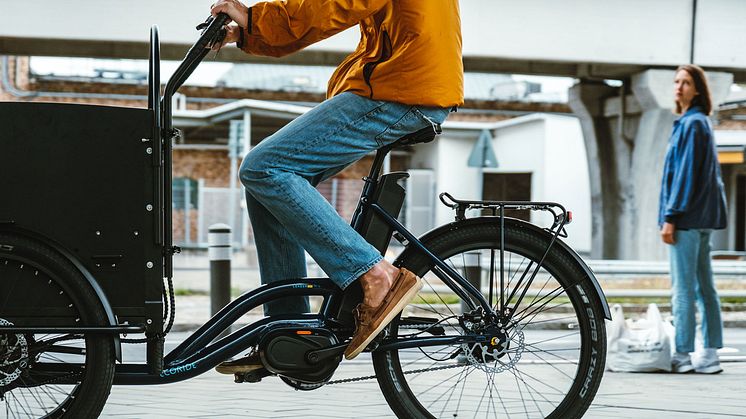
300 385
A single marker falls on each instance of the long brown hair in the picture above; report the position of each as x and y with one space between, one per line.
703 98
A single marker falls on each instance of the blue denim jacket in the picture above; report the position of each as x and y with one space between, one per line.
692 193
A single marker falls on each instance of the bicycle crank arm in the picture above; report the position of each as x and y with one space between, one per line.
321 355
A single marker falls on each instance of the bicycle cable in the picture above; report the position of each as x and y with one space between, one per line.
169 311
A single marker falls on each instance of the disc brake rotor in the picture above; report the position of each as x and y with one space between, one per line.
487 356
13 355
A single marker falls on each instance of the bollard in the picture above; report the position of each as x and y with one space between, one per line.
472 273
219 240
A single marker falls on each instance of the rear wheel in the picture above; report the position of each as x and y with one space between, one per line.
46 375
544 359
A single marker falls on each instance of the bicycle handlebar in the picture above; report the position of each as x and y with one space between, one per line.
211 34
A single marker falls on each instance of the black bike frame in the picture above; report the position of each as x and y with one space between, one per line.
201 351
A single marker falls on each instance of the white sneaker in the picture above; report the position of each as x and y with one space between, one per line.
681 363
707 362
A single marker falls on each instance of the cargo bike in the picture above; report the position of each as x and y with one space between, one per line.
509 323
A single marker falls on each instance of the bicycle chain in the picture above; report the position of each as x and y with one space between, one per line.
427 326
371 377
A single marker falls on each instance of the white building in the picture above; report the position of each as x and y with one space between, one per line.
540 157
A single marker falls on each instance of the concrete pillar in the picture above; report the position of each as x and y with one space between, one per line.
626 143
587 101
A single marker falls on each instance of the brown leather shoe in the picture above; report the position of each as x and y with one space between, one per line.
249 363
369 321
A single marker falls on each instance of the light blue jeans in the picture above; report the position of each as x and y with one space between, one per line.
289 215
691 278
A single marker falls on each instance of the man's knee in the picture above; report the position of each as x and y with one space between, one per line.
252 170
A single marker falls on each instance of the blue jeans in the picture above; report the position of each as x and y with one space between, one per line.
691 278
289 215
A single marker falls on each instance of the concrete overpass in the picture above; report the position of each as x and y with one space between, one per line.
625 128
576 38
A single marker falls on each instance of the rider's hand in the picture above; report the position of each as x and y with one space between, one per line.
231 36
667 233
236 10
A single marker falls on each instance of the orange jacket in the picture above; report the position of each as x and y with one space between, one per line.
409 50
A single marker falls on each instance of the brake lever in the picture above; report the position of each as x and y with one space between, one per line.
219 36
202 26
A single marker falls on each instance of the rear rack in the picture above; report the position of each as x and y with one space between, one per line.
561 218
560 215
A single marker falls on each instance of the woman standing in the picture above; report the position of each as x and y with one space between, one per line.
692 204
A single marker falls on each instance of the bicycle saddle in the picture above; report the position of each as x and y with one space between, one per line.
425 135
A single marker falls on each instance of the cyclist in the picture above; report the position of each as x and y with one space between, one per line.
406 74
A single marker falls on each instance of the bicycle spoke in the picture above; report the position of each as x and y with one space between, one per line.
510 280
552 365
520 392
453 388
538 311
432 289
545 384
535 308
531 393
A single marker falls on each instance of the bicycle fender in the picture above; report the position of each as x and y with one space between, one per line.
446 228
111 318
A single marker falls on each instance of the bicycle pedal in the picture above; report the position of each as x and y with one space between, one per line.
251 377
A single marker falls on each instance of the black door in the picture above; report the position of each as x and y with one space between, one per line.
508 187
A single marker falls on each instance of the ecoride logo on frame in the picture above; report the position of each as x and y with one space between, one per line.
178 370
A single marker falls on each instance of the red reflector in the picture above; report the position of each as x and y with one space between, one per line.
569 217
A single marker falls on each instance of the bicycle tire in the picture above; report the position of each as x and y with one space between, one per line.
400 373
35 275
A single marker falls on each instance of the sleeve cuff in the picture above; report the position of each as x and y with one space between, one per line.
241 36
248 22
670 219
240 41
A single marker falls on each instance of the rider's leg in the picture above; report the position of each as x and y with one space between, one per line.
280 173
280 257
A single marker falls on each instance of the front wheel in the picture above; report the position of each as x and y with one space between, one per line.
49 375
544 359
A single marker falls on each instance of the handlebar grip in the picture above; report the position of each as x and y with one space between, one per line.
213 25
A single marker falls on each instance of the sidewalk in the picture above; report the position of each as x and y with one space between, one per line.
622 395
642 396
212 395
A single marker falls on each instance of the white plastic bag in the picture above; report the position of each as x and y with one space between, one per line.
642 345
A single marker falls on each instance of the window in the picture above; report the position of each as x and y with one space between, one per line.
185 193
